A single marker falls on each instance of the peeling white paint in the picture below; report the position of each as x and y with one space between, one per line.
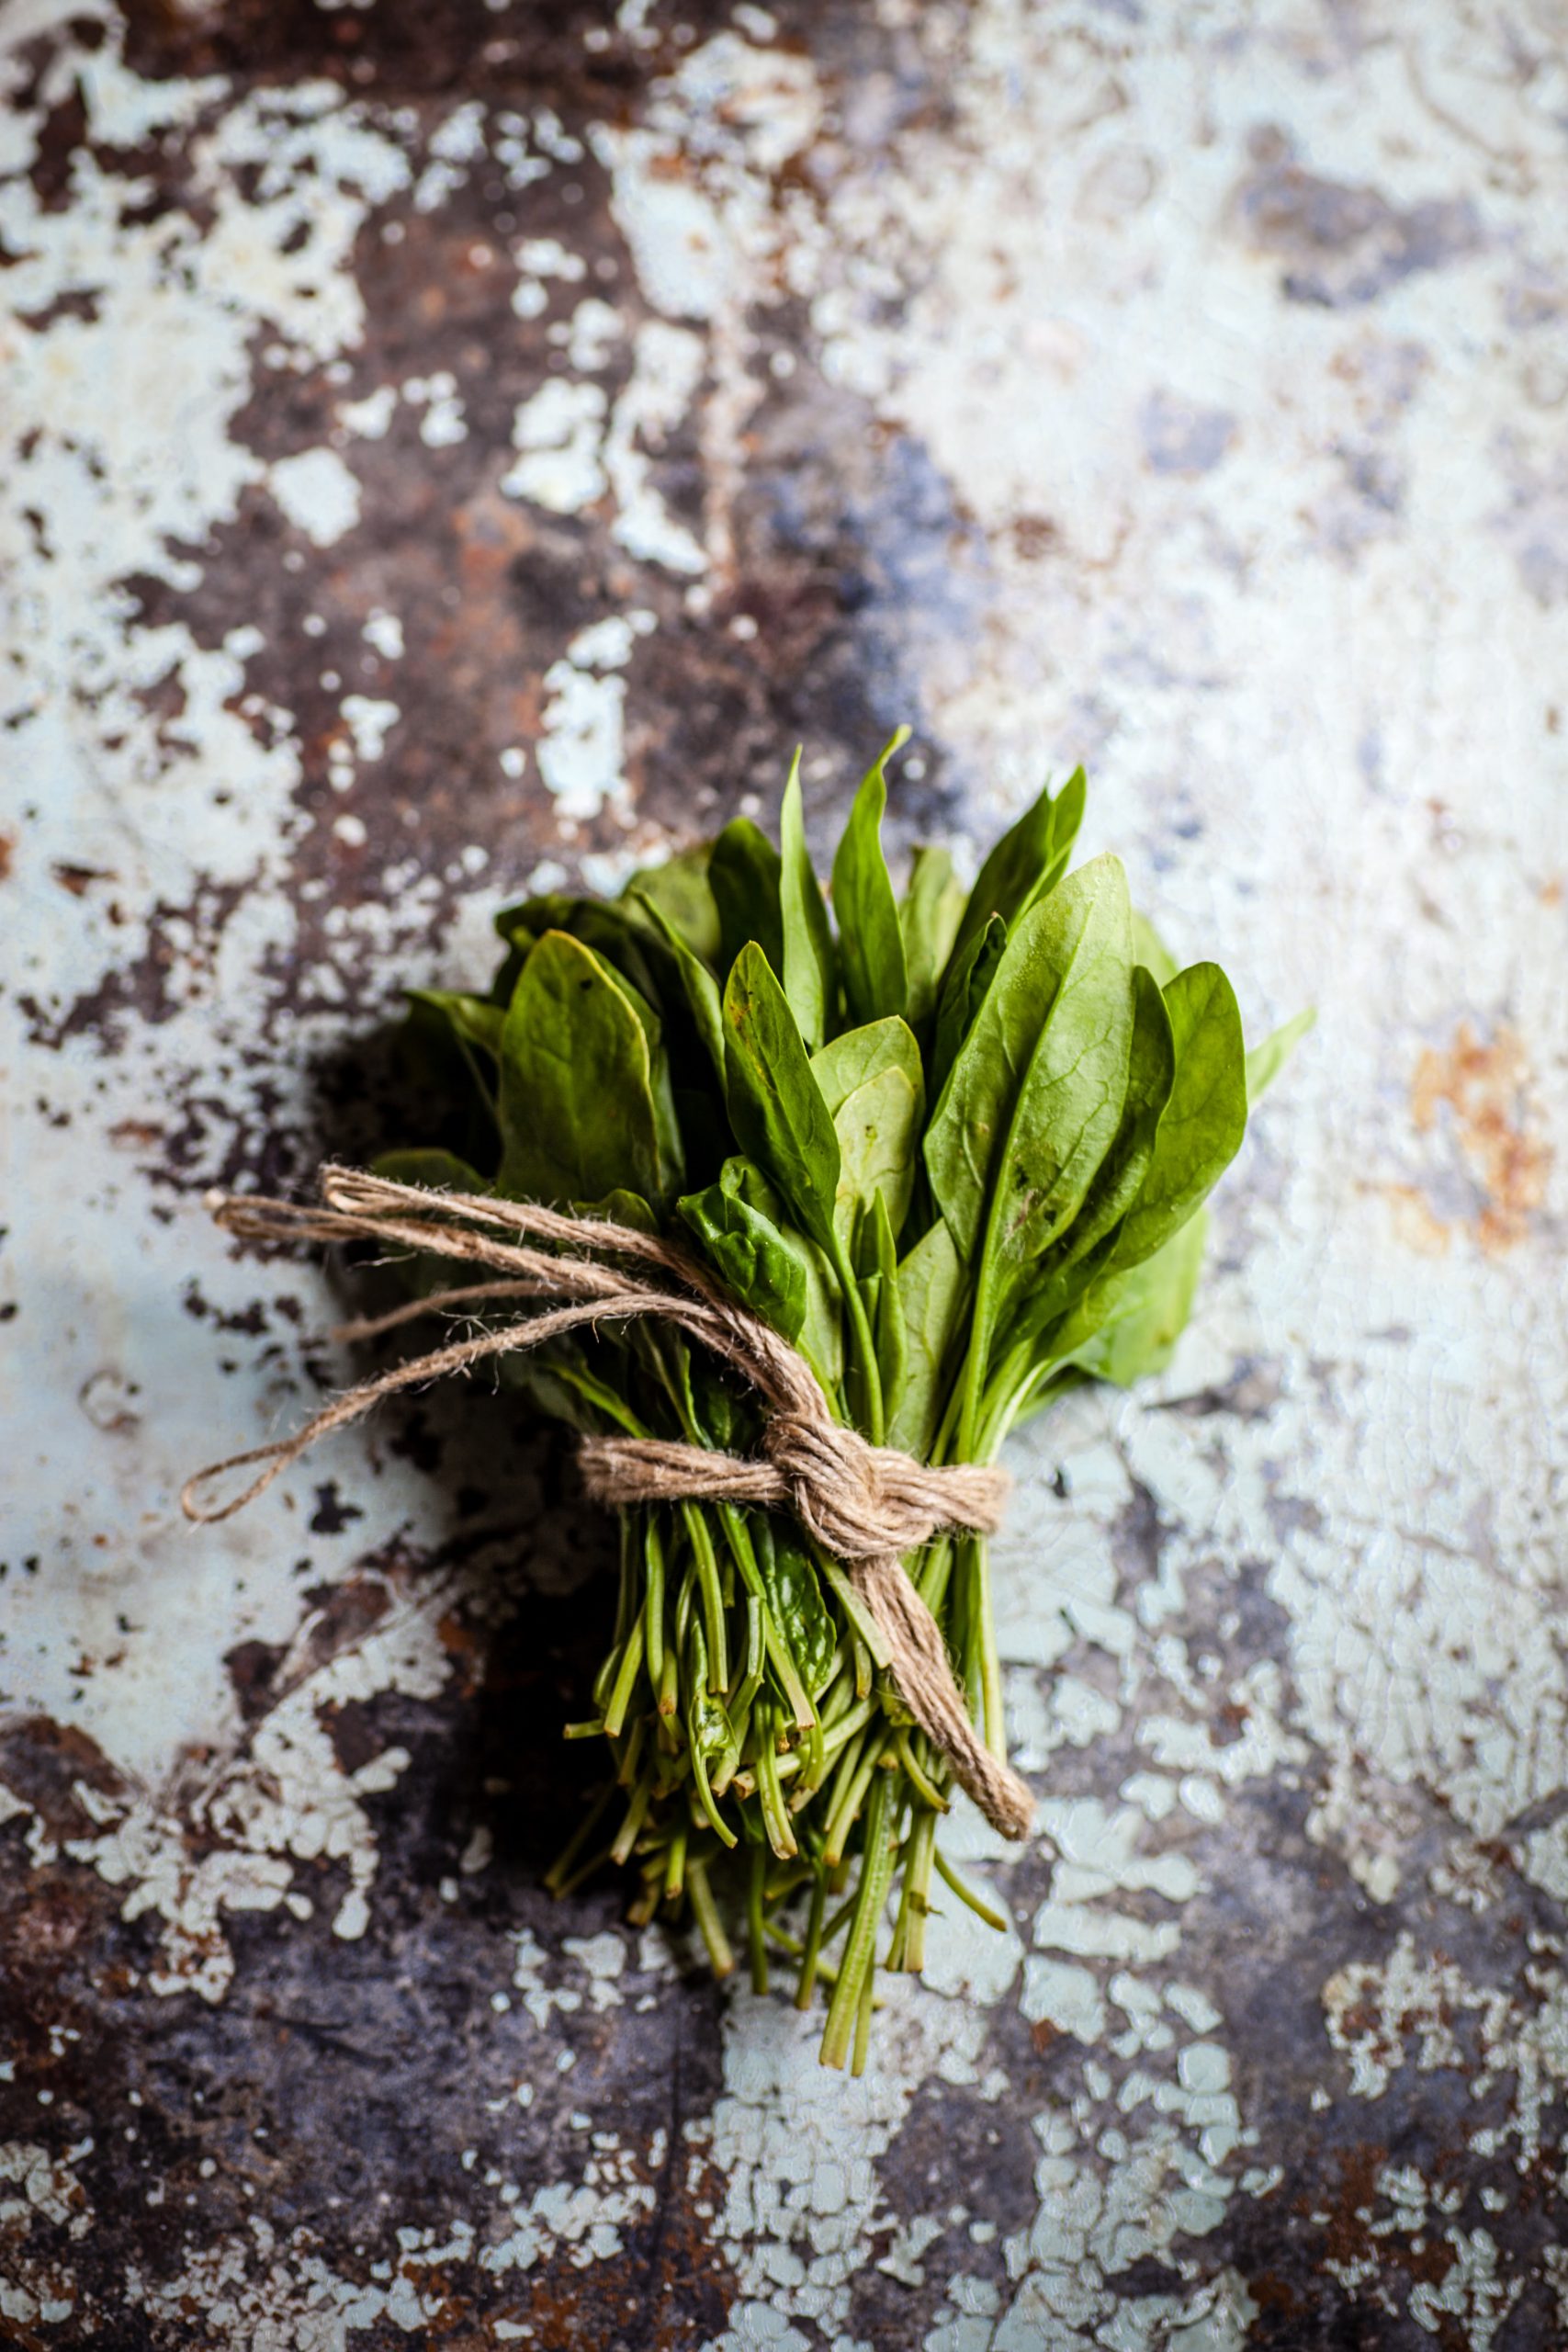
582 747
318 494
36 2290
556 432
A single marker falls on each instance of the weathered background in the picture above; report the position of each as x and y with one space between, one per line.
448 446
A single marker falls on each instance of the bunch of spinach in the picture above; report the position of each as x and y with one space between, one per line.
954 1145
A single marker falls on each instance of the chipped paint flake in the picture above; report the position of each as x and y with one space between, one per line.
318 494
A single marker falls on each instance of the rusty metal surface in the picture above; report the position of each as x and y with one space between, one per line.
450 447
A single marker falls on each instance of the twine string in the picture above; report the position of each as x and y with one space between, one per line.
866 1505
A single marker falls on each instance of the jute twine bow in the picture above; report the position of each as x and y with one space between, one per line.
865 1504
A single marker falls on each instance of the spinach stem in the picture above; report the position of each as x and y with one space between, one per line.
982 1910
625 1837
928 1794
849 1804
876 1866
713 1599
653 1600
704 1910
866 1349
675 1864
983 1628
810 1957
918 1852
625 1679
776 1818
759 1863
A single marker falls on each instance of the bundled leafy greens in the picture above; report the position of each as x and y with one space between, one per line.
953 1145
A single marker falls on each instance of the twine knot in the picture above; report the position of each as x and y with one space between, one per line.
860 1500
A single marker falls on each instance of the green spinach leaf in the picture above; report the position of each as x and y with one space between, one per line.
1034 1097
963 991
870 944
679 893
929 917
1204 1118
820 1338
579 1116
810 972
875 1088
795 1596
776 1105
697 984
1027 863
1134 1319
473 1019
750 1254
743 874
932 1284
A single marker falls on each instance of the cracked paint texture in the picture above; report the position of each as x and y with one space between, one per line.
449 453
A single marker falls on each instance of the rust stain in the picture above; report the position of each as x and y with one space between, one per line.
8 854
1483 1085
464 1647
1415 1223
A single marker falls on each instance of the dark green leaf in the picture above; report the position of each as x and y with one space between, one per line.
969 976
472 1018
743 874
1204 1119
1119 1180
820 1338
870 944
615 930
579 1116
1069 1104
776 1105
1027 863
680 892
751 1256
1035 1094
698 985
466 1027
810 973
1075 1262
794 1597
928 919
931 1285
1131 1313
